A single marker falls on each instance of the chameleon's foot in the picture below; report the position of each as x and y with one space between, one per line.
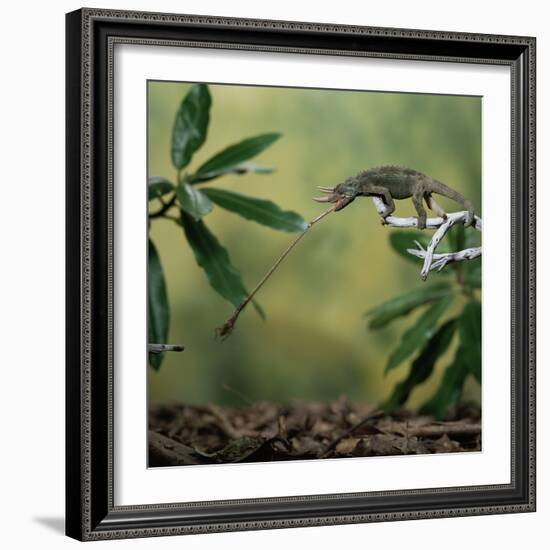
383 221
421 223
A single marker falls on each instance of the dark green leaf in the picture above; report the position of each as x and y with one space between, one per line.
214 260
470 337
416 336
466 361
159 312
472 273
155 360
456 238
402 240
245 168
159 187
258 210
193 201
422 367
259 309
232 158
472 237
403 304
450 389
190 125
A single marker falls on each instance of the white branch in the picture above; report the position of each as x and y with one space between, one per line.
441 226
159 348
439 261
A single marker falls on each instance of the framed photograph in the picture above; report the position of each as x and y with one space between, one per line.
240 356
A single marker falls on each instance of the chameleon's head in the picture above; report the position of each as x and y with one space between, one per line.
343 194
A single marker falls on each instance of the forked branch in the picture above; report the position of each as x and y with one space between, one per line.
441 226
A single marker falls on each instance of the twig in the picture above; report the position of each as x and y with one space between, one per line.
165 451
281 426
224 424
435 430
371 416
432 429
441 226
160 348
227 328
441 260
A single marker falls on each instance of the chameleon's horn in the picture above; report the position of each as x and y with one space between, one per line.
322 199
326 189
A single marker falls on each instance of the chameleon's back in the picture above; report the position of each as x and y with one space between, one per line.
399 181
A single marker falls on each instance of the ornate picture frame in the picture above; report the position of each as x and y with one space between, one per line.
91 509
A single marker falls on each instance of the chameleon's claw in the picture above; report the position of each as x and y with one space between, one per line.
326 189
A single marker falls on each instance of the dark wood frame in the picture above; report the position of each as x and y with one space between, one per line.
90 510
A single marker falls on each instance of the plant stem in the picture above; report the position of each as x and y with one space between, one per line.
165 207
172 218
227 328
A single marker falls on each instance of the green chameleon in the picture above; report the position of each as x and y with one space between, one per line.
395 182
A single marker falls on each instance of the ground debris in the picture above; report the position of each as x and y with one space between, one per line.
182 434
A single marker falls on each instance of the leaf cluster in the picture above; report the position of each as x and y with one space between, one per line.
192 202
429 337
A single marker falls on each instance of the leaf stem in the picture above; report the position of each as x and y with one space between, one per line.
227 328
181 177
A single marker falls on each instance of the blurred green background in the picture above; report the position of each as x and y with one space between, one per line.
314 343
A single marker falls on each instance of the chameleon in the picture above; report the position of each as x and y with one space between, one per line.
396 182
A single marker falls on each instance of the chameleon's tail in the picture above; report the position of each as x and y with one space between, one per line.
446 191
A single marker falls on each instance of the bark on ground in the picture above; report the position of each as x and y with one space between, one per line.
182 434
